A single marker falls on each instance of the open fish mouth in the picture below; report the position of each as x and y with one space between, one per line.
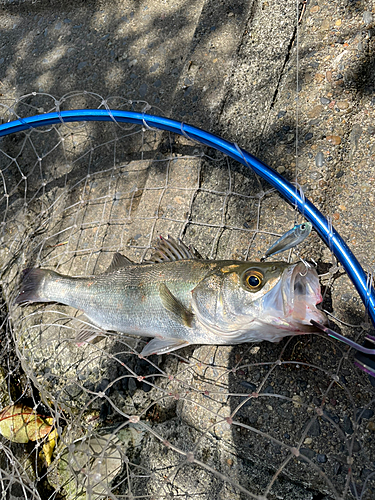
290 305
301 294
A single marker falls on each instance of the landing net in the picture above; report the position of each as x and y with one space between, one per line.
288 420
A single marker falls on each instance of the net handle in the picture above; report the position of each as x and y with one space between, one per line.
328 234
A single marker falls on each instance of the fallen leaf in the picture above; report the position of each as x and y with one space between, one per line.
22 424
48 446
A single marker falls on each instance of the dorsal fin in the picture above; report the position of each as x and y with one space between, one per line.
118 262
168 250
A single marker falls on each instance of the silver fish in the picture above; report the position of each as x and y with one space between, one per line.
181 299
290 239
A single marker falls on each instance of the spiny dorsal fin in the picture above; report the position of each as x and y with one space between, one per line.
119 261
195 253
168 250
174 306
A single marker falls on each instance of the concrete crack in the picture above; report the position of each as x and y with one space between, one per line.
286 60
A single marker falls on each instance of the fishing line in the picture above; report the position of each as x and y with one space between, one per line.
297 105
324 227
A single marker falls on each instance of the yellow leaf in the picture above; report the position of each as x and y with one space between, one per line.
22 424
48 447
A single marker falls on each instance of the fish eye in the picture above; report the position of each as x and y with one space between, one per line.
303 227
253 280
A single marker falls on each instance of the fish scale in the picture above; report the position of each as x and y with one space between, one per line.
181 301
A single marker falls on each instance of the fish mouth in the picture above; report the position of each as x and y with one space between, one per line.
301 294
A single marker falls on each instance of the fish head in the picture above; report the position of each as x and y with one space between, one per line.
253 301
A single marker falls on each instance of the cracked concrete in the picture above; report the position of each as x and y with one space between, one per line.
230 68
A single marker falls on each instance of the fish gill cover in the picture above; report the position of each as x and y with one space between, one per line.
288 420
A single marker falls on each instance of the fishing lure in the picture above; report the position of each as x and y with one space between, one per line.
290 239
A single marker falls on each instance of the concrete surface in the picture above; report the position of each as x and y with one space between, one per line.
230 68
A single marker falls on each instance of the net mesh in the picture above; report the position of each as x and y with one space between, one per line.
287 420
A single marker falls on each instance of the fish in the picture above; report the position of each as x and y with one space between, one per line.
290 239
181 299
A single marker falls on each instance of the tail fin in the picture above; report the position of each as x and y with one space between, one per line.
32 286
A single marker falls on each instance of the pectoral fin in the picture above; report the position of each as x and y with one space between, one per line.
173 305
162 346
87 332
